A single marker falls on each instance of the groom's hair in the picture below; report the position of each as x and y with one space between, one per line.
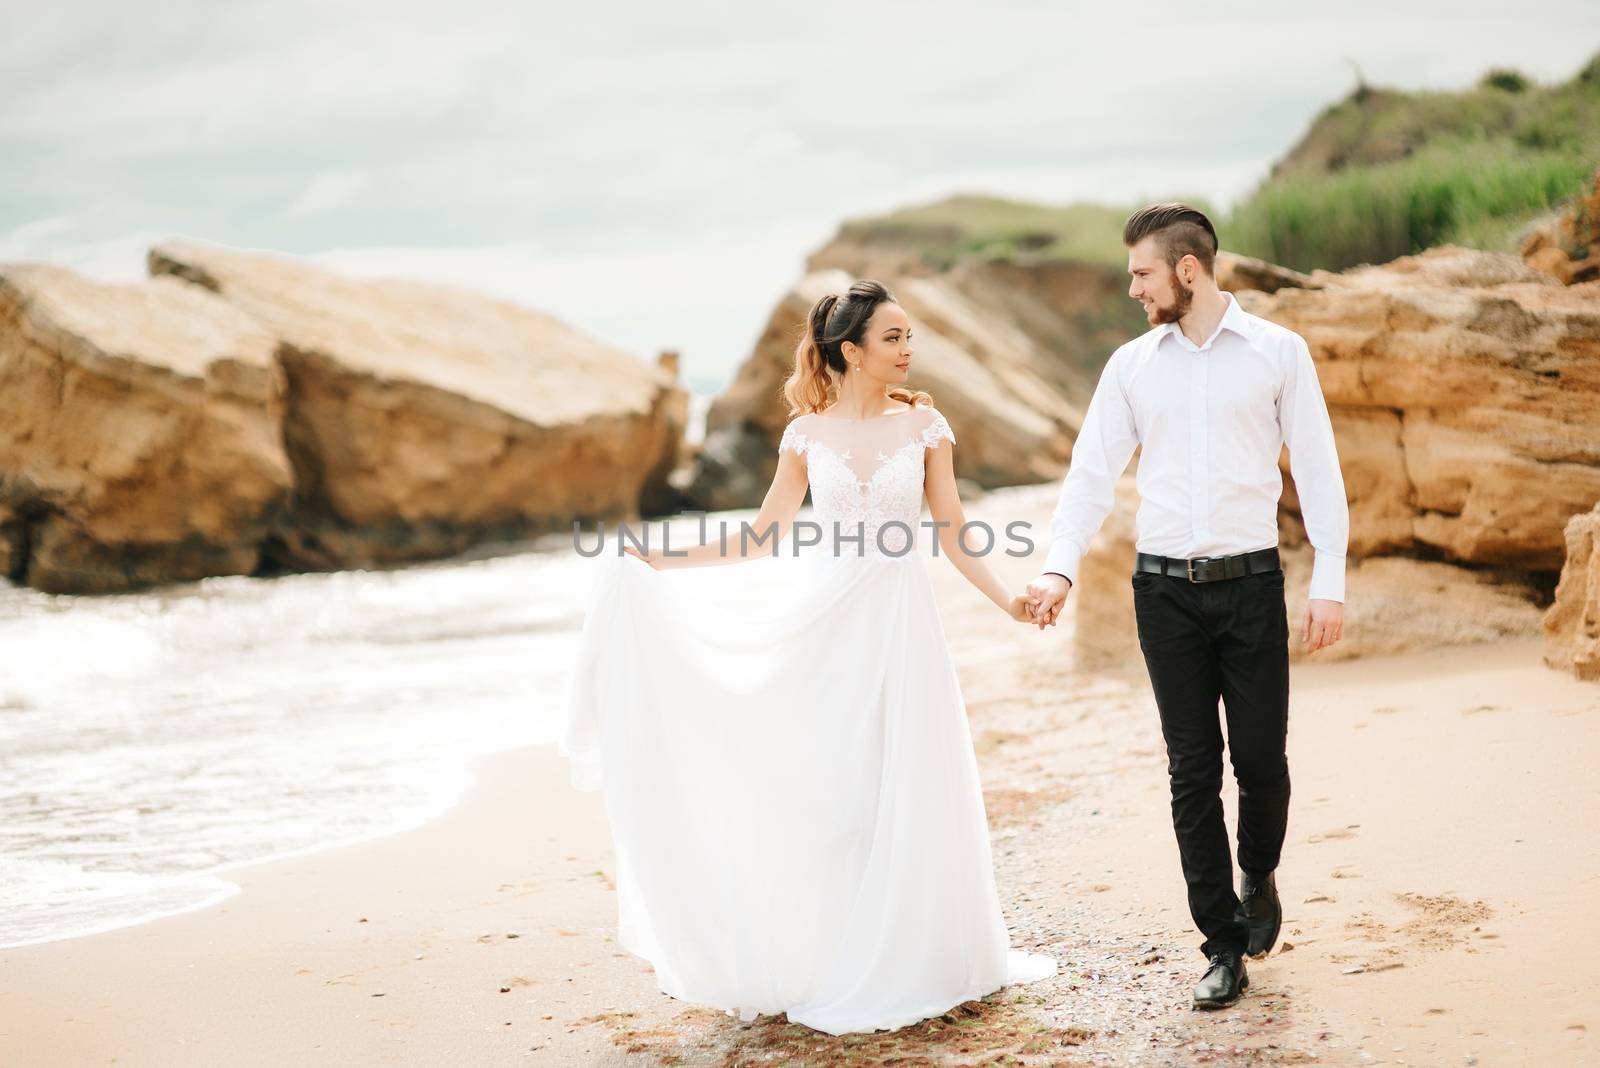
1179 231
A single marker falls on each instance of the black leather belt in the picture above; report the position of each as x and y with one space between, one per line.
1209 568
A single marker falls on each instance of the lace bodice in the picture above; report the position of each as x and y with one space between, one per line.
866 476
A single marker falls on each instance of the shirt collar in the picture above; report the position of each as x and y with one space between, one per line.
1232 319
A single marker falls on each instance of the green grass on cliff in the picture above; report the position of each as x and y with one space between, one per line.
994 228
1383 174
1378 175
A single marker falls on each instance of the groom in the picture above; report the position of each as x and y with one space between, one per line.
1212 394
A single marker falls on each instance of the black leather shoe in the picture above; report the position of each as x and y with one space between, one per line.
1261 912
1224 981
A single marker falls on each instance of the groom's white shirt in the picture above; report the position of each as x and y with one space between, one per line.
1212 420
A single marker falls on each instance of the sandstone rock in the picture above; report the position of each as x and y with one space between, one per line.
659 495
1104 636
422 419
141 436
1572 624
1396 604
240 414
1236 273
1464 389
1393 604
1465 394
1567 246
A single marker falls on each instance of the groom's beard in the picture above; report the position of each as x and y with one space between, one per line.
1183 296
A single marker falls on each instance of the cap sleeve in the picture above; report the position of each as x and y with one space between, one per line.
937 429
794 440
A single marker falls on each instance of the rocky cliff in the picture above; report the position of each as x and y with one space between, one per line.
1572 625
241 413
1464 390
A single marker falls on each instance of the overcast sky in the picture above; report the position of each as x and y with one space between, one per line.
655 173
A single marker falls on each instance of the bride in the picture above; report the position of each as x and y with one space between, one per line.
783 746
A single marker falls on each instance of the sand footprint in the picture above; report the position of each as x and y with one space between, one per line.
1444 919
1337 834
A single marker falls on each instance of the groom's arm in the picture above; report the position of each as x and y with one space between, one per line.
1101 453
1314 463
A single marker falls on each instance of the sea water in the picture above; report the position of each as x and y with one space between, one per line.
150 741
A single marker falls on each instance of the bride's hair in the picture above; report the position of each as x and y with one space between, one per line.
819 358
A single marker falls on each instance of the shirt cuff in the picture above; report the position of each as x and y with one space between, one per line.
1327 578
1063 560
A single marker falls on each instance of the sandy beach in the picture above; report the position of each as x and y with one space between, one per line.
1444 840
334 350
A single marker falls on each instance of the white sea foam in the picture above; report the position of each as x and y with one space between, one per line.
152 741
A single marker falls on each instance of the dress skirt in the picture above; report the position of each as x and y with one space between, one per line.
791 787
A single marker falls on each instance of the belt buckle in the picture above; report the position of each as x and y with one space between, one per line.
1191 562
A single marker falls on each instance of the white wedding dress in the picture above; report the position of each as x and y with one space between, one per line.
787 765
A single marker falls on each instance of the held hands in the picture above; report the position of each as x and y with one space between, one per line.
1050 593
1323 624
1022 608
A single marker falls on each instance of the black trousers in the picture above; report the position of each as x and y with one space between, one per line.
1225 640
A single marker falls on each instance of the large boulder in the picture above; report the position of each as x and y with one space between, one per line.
1104 636
422 419
242 414
1392 604
1572 624
140 433
660 495
1464 389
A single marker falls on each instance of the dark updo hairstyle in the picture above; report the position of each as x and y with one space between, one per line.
819 360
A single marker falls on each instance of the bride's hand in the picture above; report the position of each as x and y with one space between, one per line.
1021 607
631 551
